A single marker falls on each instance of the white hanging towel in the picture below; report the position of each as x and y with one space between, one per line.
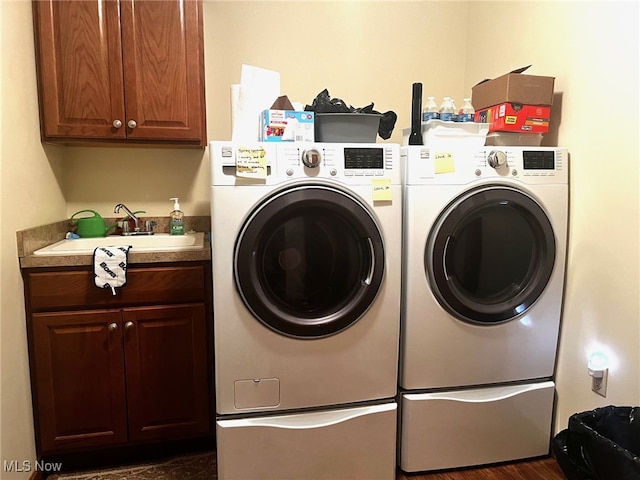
110 266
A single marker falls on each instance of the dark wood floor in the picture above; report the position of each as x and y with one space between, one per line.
542 469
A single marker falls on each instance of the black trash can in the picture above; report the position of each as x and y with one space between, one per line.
600 444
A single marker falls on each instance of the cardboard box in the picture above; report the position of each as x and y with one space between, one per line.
510 117
513 88
286 126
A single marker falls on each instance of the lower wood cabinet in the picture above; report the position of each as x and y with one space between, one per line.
79 381
166 371
118 374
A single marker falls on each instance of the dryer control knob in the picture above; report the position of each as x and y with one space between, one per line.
497 159
311 158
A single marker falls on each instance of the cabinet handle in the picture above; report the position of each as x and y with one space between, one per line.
128 325
113 326
132 124
117 123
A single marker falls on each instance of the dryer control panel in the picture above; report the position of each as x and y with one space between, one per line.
538 160
531 165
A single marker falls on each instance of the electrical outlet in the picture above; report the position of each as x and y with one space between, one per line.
599 385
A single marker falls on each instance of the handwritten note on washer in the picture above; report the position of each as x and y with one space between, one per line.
381 189
444 163
251 162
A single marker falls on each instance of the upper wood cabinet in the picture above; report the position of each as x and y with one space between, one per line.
120 71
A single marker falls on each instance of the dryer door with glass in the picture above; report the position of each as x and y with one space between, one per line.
490 254
309 260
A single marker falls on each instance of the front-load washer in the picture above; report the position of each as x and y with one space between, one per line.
306 249
484 247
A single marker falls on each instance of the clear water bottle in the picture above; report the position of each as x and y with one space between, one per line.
454 117
446 110
430 110
467 111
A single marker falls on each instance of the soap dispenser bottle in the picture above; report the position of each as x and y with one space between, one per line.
176 223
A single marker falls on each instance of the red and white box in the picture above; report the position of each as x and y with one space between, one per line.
515 117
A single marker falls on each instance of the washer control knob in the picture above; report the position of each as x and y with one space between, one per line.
333 172
289 172
311 158
497 159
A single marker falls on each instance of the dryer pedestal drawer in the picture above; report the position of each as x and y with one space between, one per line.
347 443
476 426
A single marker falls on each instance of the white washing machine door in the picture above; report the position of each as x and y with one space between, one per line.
309 260
490 254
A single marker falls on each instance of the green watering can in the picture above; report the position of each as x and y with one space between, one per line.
91 227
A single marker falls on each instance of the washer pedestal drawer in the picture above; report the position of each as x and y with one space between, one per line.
476 426
347 443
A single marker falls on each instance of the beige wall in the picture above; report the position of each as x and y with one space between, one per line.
29 195
362 52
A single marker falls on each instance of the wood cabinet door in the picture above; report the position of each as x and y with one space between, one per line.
167 371
79 384
79 61
163 57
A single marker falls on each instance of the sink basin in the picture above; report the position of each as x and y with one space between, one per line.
159 242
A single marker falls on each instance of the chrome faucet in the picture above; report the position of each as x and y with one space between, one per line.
135 219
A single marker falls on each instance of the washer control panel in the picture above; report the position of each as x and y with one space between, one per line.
271 162
337 160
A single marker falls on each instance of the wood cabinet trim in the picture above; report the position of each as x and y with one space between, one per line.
52 289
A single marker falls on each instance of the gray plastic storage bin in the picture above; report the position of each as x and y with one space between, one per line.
347 127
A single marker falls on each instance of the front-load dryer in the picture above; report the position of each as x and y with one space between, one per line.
306 249
484 241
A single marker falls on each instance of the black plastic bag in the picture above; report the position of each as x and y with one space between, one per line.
323 103
601 444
